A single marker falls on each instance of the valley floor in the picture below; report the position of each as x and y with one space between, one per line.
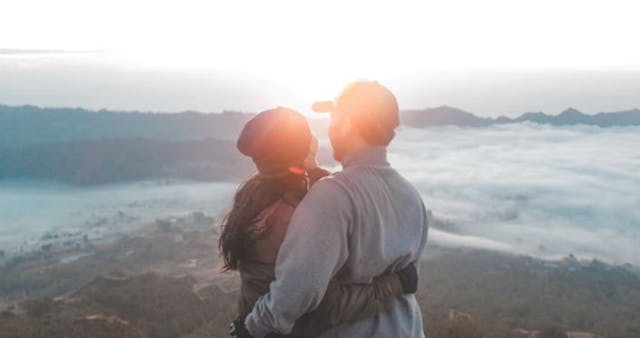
163 281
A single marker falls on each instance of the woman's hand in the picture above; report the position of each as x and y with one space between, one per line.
237 328
310 161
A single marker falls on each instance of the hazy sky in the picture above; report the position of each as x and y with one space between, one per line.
303 49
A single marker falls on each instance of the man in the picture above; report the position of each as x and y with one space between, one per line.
351 226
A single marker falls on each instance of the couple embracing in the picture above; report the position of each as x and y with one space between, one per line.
326 254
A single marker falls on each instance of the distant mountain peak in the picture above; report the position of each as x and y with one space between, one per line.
442 115
447 115
569 112
60 124
536 113
448 108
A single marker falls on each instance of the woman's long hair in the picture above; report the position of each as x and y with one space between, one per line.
253 196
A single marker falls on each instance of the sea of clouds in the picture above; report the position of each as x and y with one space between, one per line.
522 188
528 188
30 209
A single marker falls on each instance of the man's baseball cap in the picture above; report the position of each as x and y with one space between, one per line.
371 107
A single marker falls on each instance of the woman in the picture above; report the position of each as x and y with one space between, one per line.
280 143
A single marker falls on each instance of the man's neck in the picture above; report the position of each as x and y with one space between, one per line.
367 155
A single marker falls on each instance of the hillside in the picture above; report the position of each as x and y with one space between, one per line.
27 125
163 281
91 162
445 115
85 147
440 116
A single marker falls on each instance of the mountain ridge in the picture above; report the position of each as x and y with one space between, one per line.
446 115
85 147
28 124
18 123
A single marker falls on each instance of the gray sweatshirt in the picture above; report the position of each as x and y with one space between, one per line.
351 226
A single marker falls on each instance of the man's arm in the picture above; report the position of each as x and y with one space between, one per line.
347 303
314 249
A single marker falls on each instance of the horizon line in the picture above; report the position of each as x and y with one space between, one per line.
136 111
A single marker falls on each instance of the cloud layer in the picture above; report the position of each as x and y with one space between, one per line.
532 189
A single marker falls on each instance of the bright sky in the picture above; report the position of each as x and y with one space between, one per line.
334 41
336 35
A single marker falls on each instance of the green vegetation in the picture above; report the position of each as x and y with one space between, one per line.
492 294
506 292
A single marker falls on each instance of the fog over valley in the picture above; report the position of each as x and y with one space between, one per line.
524 188
528 188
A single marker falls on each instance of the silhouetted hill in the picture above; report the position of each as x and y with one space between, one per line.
87 147
105 161
572 116
443 115
530 117
452 116
26 125
30 125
